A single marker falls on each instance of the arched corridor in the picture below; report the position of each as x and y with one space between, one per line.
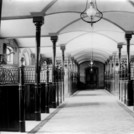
59 59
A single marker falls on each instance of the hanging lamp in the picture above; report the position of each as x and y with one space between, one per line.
91 14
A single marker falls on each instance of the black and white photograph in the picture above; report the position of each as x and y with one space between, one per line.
66 66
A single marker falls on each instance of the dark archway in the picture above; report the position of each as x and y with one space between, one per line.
91 77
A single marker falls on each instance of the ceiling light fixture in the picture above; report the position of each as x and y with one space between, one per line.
91 60
91 14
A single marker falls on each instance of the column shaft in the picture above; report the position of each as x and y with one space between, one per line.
38 23
54 99
119 56
129 92
47 89
21 99
62 47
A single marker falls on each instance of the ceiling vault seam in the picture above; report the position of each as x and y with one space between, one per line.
49 6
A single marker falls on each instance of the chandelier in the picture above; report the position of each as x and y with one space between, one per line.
91 14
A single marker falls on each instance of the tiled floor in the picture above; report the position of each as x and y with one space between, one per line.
88 112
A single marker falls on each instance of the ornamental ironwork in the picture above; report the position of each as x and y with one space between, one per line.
8 75
29 74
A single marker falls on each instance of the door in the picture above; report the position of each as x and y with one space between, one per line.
91 77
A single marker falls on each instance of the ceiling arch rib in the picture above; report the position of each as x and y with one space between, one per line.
49 5
78 52
87 59
90 54
131 2
96 56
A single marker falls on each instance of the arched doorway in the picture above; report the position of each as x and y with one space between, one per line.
91 77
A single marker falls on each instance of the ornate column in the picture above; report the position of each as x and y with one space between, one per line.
38 20
47 87
105 74
119 46
21 98
114 77
54 39
108 78
78 76
62 47
129 93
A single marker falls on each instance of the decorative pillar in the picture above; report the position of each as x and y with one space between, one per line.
114 77
21 98
72 75
54 39
47 87
58 82
62 47
105 73
78 76
38 20
108 79
119 56
129 94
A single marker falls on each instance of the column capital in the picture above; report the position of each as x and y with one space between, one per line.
39 19
129 32
22 61
119 46
107 61
63 47
53 37
114 54
128 36
72 58
110 58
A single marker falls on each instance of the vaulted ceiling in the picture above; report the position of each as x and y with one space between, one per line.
62 18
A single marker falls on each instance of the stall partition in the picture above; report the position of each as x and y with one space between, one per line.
9 98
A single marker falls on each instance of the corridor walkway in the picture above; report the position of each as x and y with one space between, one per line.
90 112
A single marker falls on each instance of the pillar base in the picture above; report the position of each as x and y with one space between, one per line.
54 105
22 126
58 103
129 103
129 100
46 109
60 100
37 116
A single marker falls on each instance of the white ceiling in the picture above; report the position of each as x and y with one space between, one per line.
62 17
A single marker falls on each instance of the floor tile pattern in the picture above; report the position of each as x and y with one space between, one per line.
90 112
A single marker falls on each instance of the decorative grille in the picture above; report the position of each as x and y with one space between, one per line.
8 75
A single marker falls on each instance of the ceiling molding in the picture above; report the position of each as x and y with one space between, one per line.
49 6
